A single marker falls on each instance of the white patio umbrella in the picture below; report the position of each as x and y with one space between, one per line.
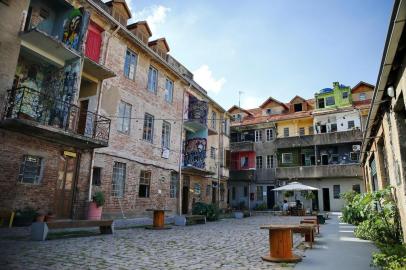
295 186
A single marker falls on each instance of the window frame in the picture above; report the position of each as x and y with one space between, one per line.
336 191
213 122
127 73
286 132
166 135
39 170
302 131
148 128
122 119
258 135
213 152
119 170
270 161
145 181
352 126
259 162
295 107
173 185
269 134
330 98
155 85
362 96
170 100
346 93
97 182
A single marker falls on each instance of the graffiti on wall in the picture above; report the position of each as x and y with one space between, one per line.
195 153
75 27
198 110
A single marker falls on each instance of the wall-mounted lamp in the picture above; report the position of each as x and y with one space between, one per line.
390 91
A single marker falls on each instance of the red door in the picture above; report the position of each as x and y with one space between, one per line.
93 42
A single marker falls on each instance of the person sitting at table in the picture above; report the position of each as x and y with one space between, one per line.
285 206
298 204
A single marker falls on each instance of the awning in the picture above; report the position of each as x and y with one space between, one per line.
295 186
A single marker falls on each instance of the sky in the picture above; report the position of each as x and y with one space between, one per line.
263 48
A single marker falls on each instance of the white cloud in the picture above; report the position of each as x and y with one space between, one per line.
155 15
204 76
250 102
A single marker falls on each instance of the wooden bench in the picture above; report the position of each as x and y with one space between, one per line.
195 219
315 220
7 215
39 230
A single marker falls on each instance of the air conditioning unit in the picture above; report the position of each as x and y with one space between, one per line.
356 148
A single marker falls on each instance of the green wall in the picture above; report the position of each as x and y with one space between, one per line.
337 93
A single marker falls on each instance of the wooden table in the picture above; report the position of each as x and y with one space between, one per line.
280 241
159 219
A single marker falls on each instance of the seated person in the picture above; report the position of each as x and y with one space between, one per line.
298 204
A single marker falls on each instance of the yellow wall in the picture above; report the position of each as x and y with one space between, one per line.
294 125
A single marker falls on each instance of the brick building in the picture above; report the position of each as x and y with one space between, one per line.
88 103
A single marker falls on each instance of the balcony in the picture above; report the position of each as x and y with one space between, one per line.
194 157
319 139
242 175
247 146
48 117
196 115
320 171
265 175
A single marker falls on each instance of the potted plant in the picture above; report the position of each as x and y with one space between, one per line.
24 217
96 206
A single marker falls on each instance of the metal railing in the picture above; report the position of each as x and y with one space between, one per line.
29 104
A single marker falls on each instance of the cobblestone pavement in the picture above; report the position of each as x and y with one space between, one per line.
225 244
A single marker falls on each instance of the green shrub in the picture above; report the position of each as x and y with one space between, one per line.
98 198
211 211
391 257
261 207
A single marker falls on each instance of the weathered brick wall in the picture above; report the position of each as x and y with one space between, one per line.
17 195
131 204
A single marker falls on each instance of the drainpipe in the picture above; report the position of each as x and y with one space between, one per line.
100 94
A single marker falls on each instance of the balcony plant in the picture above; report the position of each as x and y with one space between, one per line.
96 206
25 217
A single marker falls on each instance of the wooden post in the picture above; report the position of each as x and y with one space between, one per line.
159 219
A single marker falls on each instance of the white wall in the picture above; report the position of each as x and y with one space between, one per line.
341 119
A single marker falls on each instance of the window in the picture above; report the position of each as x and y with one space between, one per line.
145 182
233 193
96 181
268 111
301 131
269 135
166 134
354 156
169 90
259 162
345 95
330 101
356 188
260 195
320 102
152 79
213 120
311 130
286 132
258 135
336 191
124 117
297 107
31 169
287 158
130 64
213 152
351 124
118 183
333 127
334 159
208 190
245 191
173 186
148 127
225 127
244 162
197 189
323 129
269 161
362 96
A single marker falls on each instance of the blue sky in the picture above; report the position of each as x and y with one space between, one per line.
278 48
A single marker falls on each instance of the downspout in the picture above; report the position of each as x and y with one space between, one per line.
100 94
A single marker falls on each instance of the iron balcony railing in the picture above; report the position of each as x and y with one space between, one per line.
29 104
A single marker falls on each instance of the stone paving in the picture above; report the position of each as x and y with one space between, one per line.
225 244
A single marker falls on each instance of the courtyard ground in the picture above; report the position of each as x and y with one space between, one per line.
225 244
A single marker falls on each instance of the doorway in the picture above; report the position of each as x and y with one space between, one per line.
65 185
213 194
84 106
326 199
185 200
324 159
270 197
315 201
